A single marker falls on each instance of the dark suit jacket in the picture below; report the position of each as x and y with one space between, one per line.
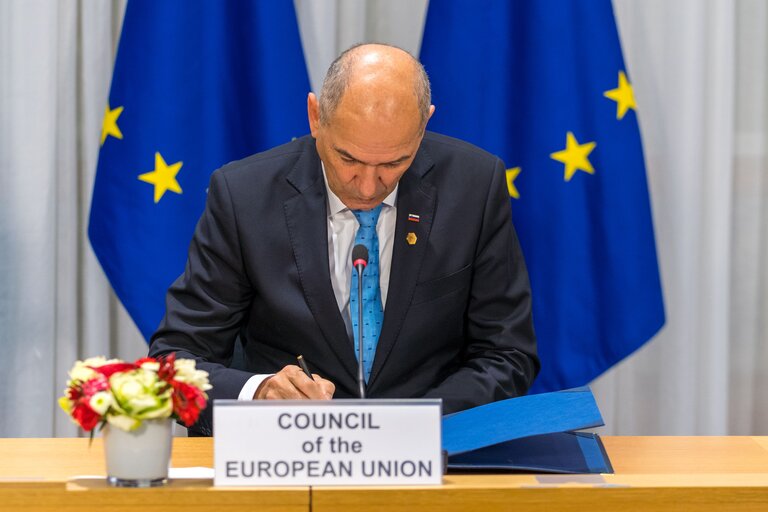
457 322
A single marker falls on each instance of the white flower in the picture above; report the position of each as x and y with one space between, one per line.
150 366
82 371
127 388
123 422
100 402
187 372
184 365
141 395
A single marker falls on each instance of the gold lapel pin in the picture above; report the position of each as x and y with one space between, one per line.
411 238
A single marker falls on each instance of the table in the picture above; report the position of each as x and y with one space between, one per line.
52 475
652 473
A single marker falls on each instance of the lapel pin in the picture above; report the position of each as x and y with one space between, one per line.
411 238
413 217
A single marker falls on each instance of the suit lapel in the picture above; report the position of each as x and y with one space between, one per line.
419 198
306 218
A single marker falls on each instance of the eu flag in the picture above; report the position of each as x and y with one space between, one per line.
543 85
196 84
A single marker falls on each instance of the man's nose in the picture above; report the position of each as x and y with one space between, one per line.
369 178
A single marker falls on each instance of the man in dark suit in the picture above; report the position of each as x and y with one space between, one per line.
270 259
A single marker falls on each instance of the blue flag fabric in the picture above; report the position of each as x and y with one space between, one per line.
196 84
543 85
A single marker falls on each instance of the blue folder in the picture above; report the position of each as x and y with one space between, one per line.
530 433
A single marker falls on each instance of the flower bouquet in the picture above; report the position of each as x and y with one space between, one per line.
135 405
104 391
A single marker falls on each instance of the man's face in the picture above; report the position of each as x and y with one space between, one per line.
364 157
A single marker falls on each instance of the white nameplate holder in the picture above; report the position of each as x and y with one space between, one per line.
335 442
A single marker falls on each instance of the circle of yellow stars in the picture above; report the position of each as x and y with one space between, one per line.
575 156
163 176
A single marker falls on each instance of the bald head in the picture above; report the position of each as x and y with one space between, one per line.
379 80
369 122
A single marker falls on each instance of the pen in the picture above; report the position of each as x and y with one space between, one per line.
303 365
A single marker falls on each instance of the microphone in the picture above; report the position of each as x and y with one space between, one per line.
360 261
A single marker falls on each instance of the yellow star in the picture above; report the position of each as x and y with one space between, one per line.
163 177
623 95
574 156
109 125
511 175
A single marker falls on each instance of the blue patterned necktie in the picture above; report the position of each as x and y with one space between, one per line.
373 312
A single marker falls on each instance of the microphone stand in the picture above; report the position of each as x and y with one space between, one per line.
360 261
360 370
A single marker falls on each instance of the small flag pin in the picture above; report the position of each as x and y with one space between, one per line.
411 238
413 217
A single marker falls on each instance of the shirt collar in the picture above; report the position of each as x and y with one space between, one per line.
336 206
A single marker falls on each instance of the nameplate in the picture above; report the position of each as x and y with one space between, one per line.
336 442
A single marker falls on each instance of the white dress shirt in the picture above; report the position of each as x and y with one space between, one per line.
342 229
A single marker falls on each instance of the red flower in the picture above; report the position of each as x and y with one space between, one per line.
94 385
143 360
74 393
188 401
110 369
167 370
85 416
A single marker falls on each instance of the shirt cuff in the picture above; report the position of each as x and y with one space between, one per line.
251 385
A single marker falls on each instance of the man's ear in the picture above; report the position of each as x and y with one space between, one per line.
429 116
313 113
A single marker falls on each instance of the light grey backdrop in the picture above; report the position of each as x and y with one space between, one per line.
699 68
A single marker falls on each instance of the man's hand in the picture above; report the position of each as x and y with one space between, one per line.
291 383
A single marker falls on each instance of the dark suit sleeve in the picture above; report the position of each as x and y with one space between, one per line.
500 359
205 306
